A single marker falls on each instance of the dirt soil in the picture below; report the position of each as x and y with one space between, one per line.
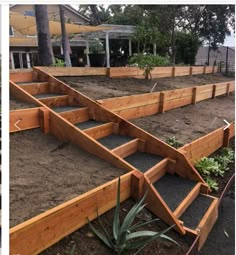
190 122
99 87
87 243
16 104
44 172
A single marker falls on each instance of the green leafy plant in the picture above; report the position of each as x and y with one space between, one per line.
148 62
174 142
211 183
126 235
225 158
58 62
207 166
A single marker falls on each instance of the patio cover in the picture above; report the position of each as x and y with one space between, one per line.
26 25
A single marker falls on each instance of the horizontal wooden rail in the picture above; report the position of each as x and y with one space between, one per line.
136 106
24 119
206 145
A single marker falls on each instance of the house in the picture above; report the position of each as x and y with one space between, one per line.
23 48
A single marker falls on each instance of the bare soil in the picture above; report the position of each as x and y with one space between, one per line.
44 172
99 87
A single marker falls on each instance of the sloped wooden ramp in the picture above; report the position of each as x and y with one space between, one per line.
174 186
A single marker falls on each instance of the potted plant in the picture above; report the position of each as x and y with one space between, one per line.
97 56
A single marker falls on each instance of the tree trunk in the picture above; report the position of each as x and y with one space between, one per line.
173 48
46 57
96 19
208 57
64 38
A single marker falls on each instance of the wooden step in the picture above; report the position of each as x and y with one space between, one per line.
34 88
143 161
55 101
47 95
113 141
100 131
174 189
74 115
126 149
201 216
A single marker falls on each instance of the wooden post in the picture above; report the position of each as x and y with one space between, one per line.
213 69
227 90
162 102
107 49
214 91
191 71
204 69
137 181
44 120
226 137
195 89
173 71
87 52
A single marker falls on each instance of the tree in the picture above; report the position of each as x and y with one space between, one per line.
64 38
46 57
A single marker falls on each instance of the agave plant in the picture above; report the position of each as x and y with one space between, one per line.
174 142
212 183
126 235
207 166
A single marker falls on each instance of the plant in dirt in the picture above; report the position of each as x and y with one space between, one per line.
148 62
207 166
211 183
225 158
126 234
173 141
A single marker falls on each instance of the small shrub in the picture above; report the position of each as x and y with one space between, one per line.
207 166
148 62
211 183
174 142
126 235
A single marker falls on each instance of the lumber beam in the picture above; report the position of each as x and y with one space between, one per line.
24 119
157 171
100 131
76 116
127 149
44 117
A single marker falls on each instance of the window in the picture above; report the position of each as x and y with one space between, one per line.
11 32
30 13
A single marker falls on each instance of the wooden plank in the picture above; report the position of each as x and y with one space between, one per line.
127 148
24 119
187 200
40 232
126 102
44 120
195 92
100 131
207 222
162 72
36 88
55 101
178 93
138 112
157 171
179 102
76 116
162 102
191 71
76 71
157 205
214 91
137 181
21 76
126 72
197 69
182 70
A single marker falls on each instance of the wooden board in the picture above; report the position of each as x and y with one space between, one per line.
126 72
76 116
197 70
162 72
75 71
36 88
100 131
127 148
24 119
182 70
21 75
40 232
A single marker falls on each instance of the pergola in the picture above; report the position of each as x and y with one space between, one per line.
118 32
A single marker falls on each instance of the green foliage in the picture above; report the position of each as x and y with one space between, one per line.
96 47
225 158
174 142
126 235
58 63
187 45
207 166
148 62
211 183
